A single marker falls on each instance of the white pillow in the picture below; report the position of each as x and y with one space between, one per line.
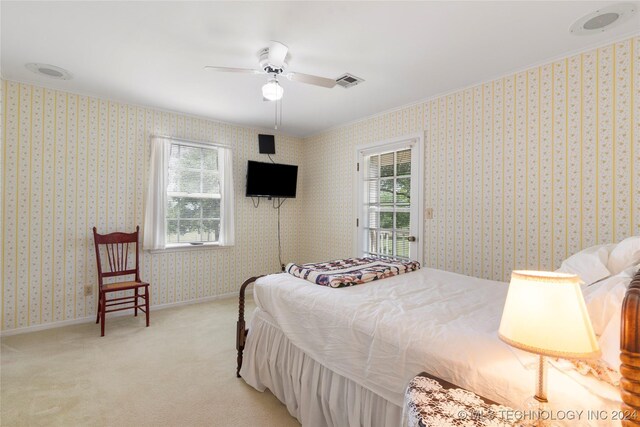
625 254
610 341
590 264
604 304
603 300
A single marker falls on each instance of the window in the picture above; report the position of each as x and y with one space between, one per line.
190 195
193 195
388 200
388 195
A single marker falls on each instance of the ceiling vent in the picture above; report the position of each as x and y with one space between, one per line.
348 80
603 19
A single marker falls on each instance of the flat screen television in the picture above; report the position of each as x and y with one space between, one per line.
271 180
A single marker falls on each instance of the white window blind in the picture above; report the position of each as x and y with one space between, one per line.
387 182
190 197
193 195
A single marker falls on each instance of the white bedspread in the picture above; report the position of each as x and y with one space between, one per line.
381 334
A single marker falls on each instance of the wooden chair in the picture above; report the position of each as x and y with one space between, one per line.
117 246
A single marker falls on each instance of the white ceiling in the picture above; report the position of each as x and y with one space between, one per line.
153 53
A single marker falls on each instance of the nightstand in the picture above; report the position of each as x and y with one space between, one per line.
432 402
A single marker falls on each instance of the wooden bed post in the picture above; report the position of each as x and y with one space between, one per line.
241 331
630 355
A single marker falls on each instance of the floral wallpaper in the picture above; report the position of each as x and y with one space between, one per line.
521 172
72 162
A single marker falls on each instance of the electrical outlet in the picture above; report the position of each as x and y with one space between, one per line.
88 290
428 213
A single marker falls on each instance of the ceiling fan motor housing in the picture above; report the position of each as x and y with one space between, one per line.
263 56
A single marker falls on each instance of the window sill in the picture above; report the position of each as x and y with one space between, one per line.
187 247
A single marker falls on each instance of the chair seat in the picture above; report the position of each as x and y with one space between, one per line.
122 286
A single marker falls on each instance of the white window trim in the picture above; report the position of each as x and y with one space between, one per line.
185 247
179 247
193 143
392 144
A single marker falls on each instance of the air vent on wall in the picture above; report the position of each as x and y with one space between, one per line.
347 80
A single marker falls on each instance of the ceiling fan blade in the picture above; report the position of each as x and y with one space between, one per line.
277 53
312 80
234 70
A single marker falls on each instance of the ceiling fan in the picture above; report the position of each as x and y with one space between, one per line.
273 61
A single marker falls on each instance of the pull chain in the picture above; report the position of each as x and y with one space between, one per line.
278 114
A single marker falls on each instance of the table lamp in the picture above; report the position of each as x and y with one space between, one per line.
545 314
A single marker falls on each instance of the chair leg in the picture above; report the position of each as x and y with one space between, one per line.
103 312
146 302
98 311
135 307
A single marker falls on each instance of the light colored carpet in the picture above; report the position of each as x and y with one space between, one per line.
178 372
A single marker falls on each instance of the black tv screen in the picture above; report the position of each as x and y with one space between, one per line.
271 180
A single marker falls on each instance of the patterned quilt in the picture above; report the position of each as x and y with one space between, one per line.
351 271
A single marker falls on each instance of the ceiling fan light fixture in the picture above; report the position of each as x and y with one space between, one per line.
272 90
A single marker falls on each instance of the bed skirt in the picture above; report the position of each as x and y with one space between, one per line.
313 394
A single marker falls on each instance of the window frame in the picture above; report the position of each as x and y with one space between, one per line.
379 207
197 195
416 141
179 247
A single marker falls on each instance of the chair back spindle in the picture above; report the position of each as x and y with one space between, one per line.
118 247
118 254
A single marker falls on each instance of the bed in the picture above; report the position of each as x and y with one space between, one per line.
344 357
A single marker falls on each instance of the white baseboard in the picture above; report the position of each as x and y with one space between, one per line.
61 323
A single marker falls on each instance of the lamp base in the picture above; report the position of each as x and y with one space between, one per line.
536 412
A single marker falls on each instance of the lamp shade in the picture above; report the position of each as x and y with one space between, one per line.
545 314
272 90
